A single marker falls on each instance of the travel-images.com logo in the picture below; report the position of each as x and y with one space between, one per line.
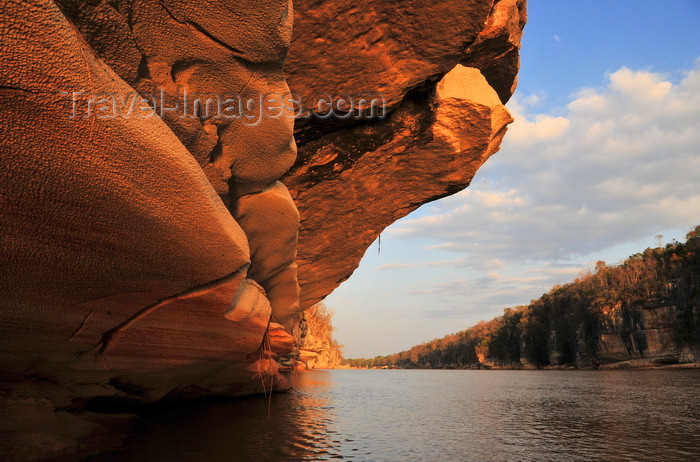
249 109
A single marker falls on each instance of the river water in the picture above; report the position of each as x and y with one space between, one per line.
438 415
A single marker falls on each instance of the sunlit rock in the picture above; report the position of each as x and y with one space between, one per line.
352 183
150 247
271 222
318 349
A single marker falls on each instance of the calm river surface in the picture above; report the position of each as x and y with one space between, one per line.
439 415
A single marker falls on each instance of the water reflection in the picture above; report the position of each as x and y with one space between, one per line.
439 415
292 426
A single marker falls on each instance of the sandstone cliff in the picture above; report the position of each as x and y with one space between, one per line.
352 179
158 248
318 349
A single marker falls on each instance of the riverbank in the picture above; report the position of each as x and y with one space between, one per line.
650 364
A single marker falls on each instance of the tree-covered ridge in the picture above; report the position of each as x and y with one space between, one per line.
646 307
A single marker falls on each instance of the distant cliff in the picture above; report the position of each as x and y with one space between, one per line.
642 313
318 349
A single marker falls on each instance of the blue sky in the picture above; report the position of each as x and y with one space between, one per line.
603 156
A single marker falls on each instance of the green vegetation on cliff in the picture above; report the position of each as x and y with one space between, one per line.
318 349
646 309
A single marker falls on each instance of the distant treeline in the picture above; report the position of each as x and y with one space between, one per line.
565 325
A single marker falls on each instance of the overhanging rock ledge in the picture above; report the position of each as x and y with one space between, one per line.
164 257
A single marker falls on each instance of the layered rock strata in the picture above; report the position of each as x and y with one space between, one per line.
151 238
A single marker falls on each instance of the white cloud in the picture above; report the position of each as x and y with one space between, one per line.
641 85
604 174
492 291
531 100
394 266
543 129
484 265
621 164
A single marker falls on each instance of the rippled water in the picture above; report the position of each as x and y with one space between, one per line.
436 415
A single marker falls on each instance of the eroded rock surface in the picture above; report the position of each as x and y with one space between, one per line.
352 178
350 184
151 243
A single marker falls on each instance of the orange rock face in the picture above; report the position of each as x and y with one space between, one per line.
353 178
119 258
156 228
355 182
